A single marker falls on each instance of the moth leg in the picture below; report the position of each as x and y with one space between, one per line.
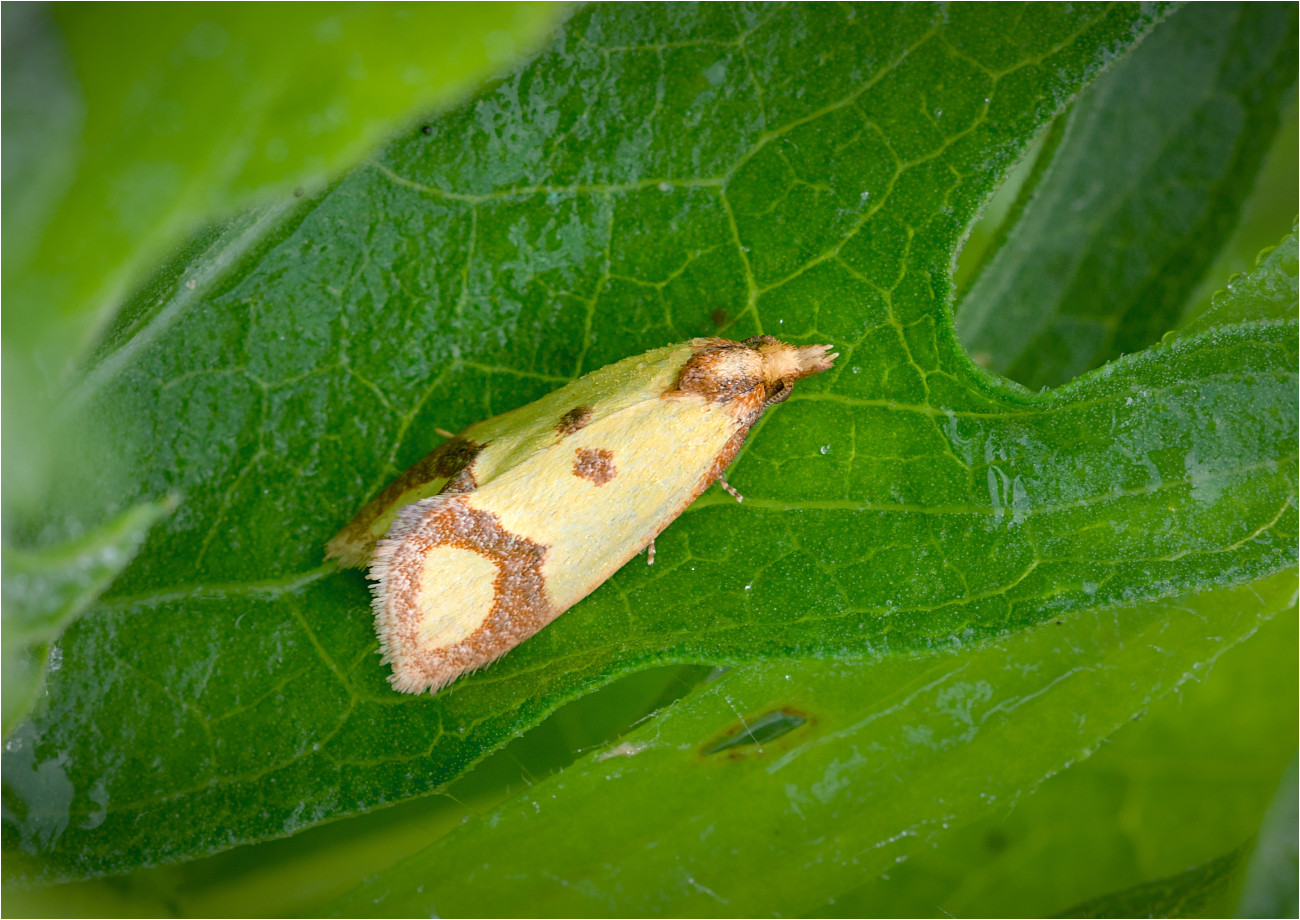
650 553
444 433
722 478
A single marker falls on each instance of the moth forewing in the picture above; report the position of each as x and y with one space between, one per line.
556 497
476 455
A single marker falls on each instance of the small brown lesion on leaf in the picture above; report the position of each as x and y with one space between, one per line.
596 465
754 737
575 419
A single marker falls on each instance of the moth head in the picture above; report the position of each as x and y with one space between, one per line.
783 364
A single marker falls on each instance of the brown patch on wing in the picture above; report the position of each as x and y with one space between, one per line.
721 371
519 610
455 455
731 372
354 544
594 465
740 376
575 419
463 481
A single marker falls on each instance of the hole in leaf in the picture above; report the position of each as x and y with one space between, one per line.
763 730
1074 273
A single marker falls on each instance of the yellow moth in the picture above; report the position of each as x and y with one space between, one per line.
514 520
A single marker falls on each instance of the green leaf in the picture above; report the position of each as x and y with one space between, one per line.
1267 293
1144 183
1183 895
1271 876
1188 781
889 755
655 173
1165 791
46 590
129 127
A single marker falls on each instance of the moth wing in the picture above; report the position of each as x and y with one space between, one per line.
453 591
461 579
443 469
599 496
486 449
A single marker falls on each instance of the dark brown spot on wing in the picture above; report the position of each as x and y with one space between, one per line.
594 465
453 456
575 419
519 609
445 462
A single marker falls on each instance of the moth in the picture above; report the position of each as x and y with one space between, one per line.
513 521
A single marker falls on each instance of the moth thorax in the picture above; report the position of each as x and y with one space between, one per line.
724 370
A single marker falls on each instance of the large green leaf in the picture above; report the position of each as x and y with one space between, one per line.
1143 183
130 125
125 128
1271 877
877 760
1176 789
1184 895
656 173
1161 793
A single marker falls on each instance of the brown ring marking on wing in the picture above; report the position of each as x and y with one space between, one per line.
519 610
